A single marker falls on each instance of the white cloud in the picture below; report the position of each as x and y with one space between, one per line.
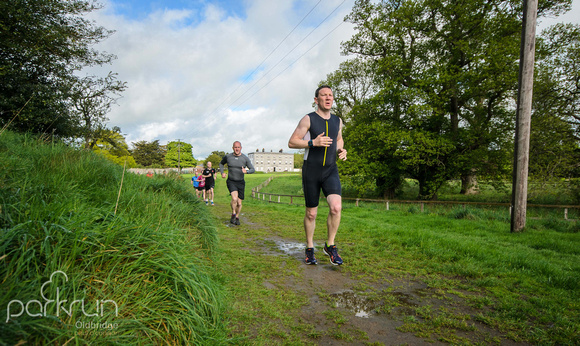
184 66
183 69
572 16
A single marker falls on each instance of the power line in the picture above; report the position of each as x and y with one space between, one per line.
266 58
300 57
209 116
296 46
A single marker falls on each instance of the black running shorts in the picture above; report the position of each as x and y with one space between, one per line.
319 177
209 185
239 186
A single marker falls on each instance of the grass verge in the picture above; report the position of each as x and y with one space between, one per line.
74 271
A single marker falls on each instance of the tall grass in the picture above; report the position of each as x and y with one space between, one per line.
152 258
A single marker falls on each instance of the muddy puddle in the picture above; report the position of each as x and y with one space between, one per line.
361 306
290 248
364 307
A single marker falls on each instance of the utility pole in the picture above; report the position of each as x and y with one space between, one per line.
523 117
179 156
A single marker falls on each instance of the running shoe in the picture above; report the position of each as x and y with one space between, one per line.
237 222
211 202
310 259
332 252
233 219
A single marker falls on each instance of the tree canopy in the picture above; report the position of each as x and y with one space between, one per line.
111 144
431 95
179 154
42 44
91 99
149 154
555 131
215 158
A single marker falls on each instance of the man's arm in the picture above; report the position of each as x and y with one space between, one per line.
297 140
250 167
340 144
222 163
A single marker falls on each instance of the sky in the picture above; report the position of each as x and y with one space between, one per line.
212 72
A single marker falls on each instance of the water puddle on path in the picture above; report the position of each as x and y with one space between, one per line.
290 248
361 306
296 250
365 307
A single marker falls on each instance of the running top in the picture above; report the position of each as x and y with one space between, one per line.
235 164
323 156
209 181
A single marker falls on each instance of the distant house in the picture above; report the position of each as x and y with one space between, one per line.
272 161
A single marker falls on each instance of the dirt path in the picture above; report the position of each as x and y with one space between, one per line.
374 314
360 312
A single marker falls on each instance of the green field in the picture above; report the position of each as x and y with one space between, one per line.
525 286
544 200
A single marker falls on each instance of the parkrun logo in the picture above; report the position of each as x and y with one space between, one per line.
36 308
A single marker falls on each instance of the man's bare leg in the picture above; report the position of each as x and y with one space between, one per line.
234 203
310 225
238 208
333 220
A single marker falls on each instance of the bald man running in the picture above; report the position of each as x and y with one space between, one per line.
238 165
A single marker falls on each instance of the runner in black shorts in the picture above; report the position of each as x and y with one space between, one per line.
238 165
209 175
320 133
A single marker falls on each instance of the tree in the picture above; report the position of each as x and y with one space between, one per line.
149 154
111 144
555 131
354 82
179 153
215 158
444 75
91 99
299 159
42 44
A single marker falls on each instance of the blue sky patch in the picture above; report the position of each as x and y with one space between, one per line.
140 9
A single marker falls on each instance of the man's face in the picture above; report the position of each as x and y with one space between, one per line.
237 149
324 99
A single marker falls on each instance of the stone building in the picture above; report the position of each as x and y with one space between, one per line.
272 161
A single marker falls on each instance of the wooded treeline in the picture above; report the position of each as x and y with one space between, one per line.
431 89
44 47
428 94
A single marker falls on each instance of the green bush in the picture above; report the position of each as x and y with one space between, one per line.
575 188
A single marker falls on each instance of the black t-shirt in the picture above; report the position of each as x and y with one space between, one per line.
211 172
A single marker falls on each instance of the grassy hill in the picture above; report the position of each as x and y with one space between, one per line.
75 266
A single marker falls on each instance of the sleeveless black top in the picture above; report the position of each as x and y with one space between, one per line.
323 156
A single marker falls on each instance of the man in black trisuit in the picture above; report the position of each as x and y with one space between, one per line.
320 133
